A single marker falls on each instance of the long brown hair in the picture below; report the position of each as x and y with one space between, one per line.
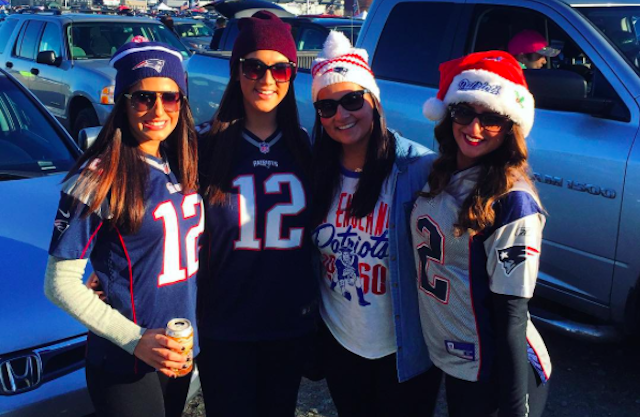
327 154
117 171
219 145
500 170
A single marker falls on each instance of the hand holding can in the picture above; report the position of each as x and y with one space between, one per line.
181 331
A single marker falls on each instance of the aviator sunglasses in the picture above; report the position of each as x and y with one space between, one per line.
145 100
254 69
352 101
491 122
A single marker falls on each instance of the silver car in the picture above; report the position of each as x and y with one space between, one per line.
64 60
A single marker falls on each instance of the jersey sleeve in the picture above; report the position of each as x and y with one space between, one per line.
513 249
75 227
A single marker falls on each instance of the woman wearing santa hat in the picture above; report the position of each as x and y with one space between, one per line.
257 290
477 234
130 205
364 178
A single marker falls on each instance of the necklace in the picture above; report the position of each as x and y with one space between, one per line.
264 146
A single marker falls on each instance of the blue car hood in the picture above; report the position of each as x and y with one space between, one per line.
27 212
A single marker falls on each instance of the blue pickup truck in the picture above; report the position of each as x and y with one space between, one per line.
583 146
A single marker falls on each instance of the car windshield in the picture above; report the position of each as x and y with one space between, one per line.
29 144
350 32
99 40
191 30
621 25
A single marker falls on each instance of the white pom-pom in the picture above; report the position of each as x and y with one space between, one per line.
336 44
434 109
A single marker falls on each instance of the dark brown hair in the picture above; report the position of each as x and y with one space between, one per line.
326 176
117 171
218 151
500 169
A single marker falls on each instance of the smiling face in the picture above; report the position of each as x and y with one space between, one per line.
263 95
152 127
352 129
473 140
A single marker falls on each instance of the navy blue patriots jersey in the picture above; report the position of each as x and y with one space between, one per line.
256 280
148 276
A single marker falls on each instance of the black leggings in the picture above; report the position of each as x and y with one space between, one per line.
363 387
128 395
251 379
480 399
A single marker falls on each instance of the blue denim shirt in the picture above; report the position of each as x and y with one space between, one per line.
412 168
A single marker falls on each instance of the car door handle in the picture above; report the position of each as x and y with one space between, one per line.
9 64
35 71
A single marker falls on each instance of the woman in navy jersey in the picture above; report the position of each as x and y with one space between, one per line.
256 285
365 176
477 233
131 206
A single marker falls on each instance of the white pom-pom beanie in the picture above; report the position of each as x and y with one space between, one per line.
340 62
493 79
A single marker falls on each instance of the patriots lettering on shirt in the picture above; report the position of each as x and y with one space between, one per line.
257 271
457 274
146 276
355 256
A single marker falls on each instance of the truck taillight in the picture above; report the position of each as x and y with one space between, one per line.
106 95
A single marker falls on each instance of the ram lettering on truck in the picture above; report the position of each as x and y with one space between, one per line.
583 147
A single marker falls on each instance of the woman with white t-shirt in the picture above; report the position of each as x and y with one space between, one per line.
364 178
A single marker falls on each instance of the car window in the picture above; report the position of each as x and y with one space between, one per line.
31 37
569 81
51 39
6 29
190 30
99 40
311 39
620 25
350 32
428 29
29 144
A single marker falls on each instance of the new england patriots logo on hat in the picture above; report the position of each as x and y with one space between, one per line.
156 64
511 257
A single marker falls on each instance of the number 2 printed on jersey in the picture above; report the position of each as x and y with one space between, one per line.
431 250
274 237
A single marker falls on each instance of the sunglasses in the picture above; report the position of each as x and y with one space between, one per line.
254 69
146 100
491 122
352 101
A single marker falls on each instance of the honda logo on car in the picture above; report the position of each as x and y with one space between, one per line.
20 374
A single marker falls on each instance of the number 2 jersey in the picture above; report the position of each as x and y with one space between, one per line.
256 280
456 275
148 276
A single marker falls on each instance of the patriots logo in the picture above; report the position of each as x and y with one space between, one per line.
339 70
61 225
514 256
156 64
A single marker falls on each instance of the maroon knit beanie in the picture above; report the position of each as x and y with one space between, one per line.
263 30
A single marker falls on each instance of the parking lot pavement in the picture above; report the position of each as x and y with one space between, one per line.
589 380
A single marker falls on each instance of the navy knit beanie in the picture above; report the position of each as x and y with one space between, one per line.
263 30
140 59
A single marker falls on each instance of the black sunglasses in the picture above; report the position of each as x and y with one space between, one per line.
146 100
254 69
352 101
492 122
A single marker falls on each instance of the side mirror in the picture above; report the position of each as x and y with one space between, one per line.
47 58
87 136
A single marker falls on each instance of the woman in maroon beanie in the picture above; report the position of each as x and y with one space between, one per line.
256 288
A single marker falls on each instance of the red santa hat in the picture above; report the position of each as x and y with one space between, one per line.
493 79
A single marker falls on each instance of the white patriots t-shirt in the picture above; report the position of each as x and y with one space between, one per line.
457 274
356 302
